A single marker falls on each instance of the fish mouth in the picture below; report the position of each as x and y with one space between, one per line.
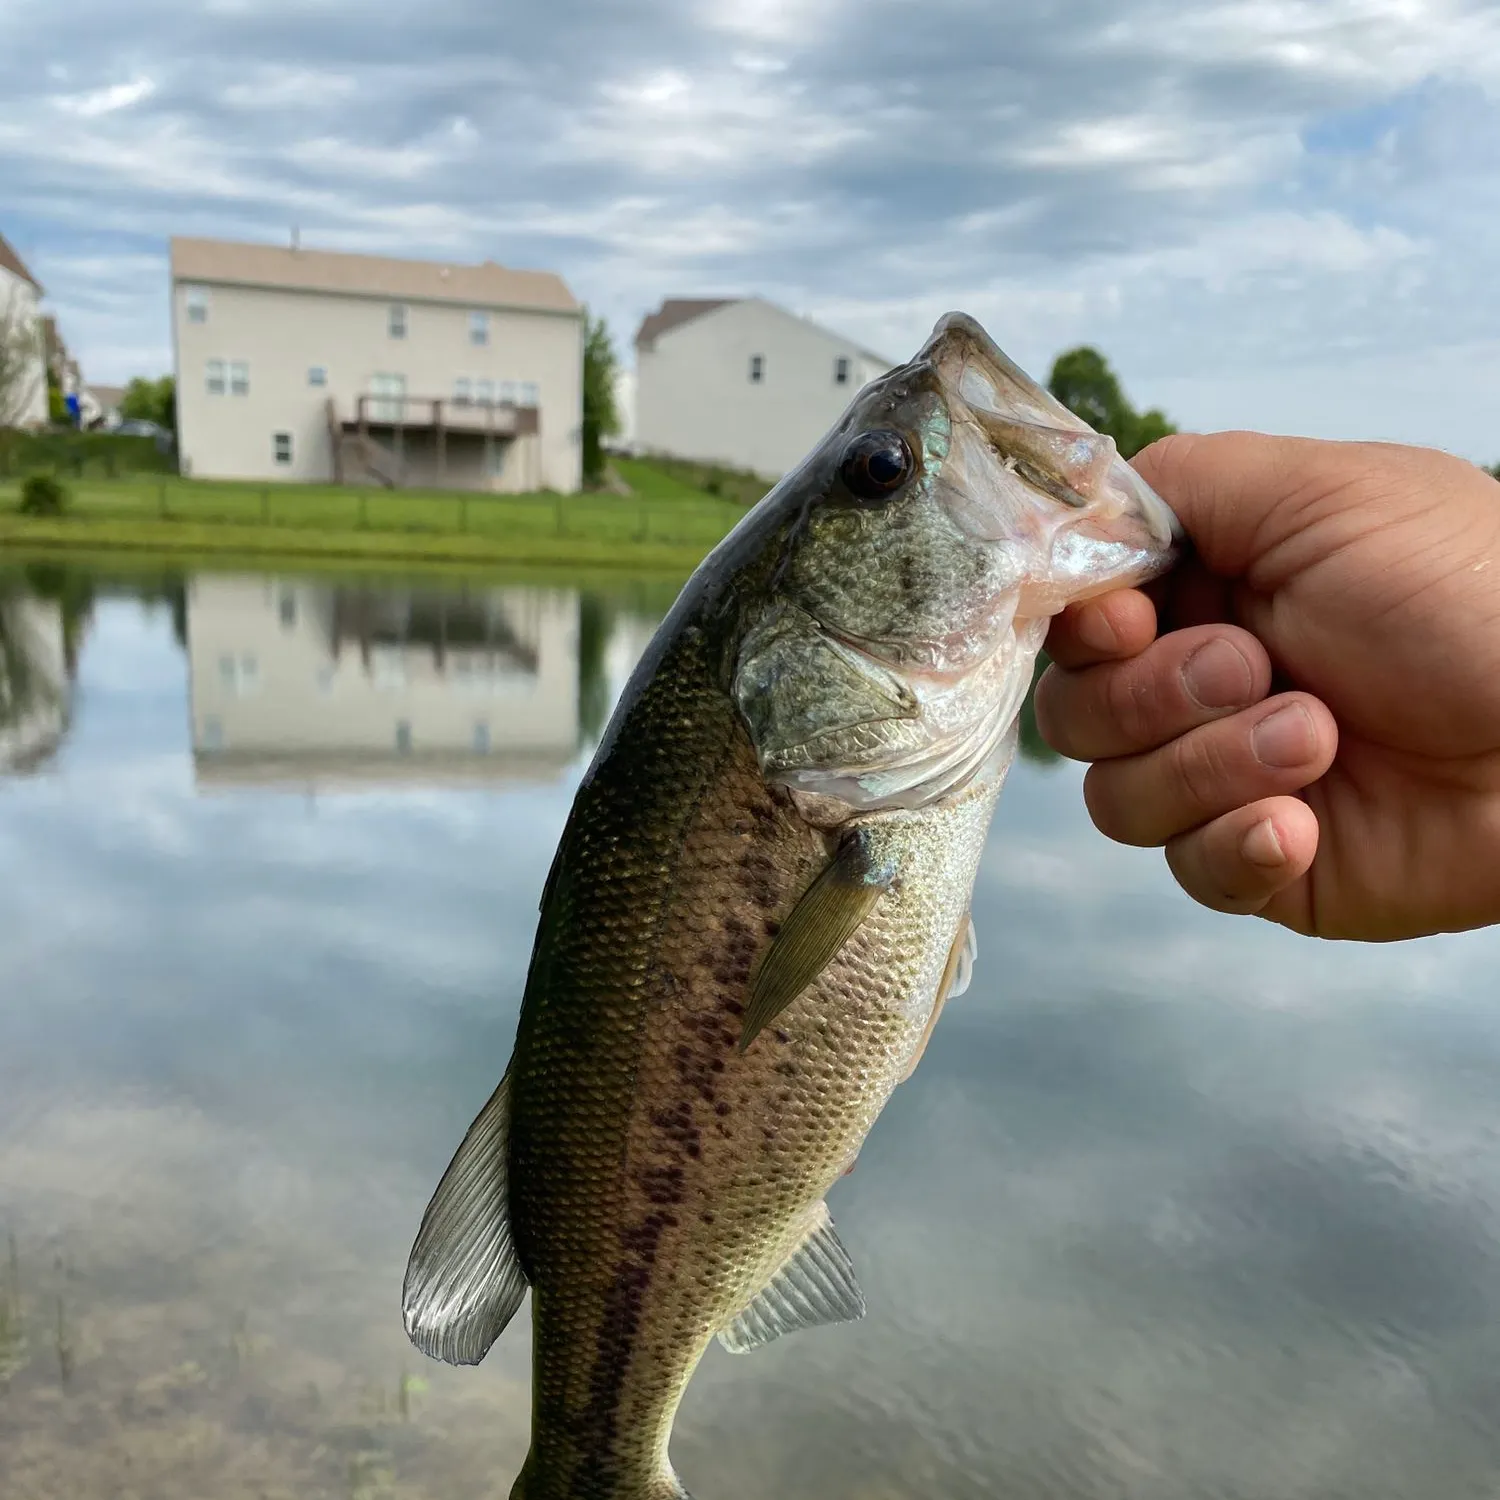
1051 448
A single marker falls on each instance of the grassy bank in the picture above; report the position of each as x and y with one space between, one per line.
662 525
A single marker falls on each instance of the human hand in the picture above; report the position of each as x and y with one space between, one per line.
1361 581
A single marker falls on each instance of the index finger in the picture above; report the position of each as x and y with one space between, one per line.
1114 625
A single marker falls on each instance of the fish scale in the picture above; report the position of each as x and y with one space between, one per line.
757 909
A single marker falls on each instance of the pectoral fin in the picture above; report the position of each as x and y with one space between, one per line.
464 1282
826 917
814 1285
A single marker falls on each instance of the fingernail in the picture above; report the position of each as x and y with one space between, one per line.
1095 631
1261 846
1217 675
1285 739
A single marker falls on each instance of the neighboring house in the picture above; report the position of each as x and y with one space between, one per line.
312 365
742 382
23 390
36 685
101 406
317 687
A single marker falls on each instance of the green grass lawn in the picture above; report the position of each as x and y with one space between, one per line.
664 523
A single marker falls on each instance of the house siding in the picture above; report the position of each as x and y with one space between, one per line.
281 334
18 298
695 398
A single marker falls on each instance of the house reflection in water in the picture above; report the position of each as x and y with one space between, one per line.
319 687
36 683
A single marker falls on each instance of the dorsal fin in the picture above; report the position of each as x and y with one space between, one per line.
463 1281
814 1285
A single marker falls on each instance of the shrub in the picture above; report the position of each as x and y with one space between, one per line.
43 495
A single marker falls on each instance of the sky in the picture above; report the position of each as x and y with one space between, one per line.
1282 214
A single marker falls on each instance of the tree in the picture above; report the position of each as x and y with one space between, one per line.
600 418
22 366
1083 381
151 401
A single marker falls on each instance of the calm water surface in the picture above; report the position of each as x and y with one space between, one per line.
1176 1205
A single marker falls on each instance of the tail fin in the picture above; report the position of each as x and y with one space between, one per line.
666 1486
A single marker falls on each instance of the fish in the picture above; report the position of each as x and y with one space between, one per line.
760 904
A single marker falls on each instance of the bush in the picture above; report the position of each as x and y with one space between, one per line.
43 495
81 455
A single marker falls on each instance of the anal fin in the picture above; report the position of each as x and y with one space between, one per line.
813 1286
463 1281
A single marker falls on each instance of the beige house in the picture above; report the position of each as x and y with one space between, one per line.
314 366
314 687
23 383
742 382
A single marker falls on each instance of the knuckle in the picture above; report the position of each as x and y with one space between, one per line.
1197 765
1131 703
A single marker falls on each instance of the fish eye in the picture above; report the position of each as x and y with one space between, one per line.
876 465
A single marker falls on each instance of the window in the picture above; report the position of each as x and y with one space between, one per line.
213 733
239 676
482 737
484 393
287 606
239 378
214 379
757 368
841 371
317 375
195 298
281 443
403 736
396 321
479 328
529 394
463 391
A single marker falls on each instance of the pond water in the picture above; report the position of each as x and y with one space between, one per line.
1176 1205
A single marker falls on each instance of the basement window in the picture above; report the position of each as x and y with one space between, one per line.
757 368
281 444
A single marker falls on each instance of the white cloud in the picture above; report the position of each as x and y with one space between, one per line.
105 101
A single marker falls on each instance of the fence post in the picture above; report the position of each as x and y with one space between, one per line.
562 526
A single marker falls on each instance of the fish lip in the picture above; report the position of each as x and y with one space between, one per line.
957 338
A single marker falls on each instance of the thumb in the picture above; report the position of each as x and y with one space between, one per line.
1238 494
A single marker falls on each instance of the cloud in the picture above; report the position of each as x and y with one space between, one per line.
1231 199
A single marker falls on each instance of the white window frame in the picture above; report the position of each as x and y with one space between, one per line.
280 441
463 391
479 328
239 377
396 320
317 375
216 377
484 393
528 393
195 303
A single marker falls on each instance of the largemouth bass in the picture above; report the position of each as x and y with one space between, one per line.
760 904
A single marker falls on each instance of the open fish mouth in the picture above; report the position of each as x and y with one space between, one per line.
1043 444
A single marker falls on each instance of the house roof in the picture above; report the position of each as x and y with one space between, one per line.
675 311
10 261
281 266
107 395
